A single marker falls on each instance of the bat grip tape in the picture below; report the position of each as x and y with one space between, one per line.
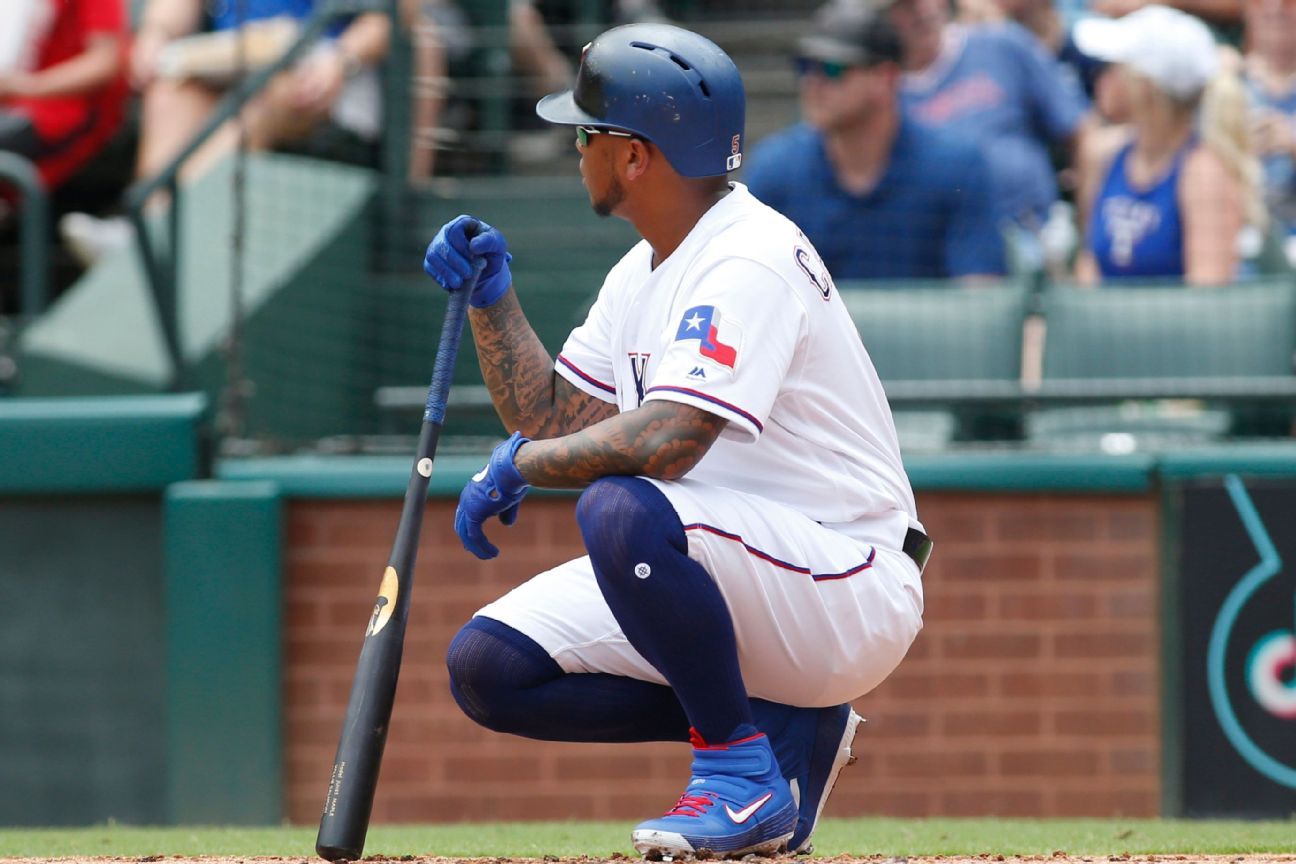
447 351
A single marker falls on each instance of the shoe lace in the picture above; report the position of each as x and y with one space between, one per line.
691 805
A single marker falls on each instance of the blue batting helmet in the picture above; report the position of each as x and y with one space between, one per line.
665 84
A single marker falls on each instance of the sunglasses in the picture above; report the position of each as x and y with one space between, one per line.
830 69
583 134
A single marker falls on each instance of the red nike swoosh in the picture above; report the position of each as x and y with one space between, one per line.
746 813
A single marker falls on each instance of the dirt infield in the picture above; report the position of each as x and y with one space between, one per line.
1055 858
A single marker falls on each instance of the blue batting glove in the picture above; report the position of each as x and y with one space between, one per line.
465 245
496 489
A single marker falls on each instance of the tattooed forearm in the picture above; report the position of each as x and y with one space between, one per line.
518 371
659 439
574 410
515 365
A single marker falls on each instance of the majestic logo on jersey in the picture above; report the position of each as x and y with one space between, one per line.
703 324
639 369
814 270
697 372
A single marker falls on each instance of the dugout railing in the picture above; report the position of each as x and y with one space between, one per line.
33 217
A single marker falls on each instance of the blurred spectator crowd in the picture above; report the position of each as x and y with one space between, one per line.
100 94
1093 141
943 142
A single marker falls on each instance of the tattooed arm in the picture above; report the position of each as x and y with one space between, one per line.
587 437
529 395
660 439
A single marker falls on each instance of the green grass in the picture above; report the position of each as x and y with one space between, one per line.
893 837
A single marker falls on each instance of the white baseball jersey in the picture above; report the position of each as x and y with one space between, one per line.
742 320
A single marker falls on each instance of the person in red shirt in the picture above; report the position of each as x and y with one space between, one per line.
63 92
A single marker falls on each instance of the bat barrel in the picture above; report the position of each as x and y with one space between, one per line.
349 802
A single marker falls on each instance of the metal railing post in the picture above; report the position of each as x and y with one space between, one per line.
33 228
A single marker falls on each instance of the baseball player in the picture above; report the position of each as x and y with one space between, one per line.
754 549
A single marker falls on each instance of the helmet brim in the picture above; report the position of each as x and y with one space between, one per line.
561 108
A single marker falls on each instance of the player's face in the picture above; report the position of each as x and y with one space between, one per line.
606 202
598 172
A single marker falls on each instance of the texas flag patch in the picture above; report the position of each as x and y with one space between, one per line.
703 324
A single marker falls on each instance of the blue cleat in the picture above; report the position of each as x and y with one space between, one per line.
812 747
737 803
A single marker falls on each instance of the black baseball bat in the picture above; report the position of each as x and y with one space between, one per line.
349 802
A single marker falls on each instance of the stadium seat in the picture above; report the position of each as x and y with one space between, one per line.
1166 335
950 337
1170 331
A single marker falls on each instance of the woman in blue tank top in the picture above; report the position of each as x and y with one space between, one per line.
1138 232
1167 198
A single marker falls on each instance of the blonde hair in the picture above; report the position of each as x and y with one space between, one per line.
1224 125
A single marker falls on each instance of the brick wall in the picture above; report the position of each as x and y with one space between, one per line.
1033 689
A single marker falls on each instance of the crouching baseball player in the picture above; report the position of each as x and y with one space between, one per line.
754 548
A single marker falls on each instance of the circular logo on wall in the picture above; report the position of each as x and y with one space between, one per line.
1251 657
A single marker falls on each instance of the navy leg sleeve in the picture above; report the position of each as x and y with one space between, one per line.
668 606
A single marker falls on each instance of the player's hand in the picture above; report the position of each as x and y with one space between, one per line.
462 246
497 489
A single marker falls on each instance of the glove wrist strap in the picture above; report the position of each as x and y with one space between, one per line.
480 299
507 476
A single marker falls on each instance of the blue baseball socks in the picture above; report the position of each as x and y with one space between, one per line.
673 614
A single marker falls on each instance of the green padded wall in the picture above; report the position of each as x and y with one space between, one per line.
81 660
224 758
97 444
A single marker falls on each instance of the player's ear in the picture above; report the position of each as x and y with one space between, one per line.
638 158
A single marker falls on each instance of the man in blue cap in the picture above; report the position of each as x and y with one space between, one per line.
880 196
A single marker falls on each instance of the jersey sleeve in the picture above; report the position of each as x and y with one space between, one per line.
732 346
586 357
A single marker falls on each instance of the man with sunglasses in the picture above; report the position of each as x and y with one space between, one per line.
880 197
754 549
